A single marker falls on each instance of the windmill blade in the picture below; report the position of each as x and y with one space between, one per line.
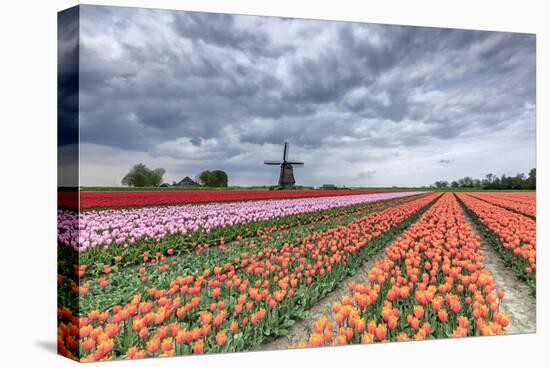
285 152
296 163
273 163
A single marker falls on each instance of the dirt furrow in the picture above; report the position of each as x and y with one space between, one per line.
301 329
518 302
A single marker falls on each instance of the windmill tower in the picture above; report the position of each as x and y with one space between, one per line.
286 177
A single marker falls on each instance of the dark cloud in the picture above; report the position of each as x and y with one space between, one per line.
220 30
67 97
196 86
366 174
68 76
446 161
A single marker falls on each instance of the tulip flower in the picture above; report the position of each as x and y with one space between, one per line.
221 338
380 332
198 347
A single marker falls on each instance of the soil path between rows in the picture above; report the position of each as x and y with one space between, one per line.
300 330
518 301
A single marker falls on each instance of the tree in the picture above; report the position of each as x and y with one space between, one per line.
495 184
518 181
466 182
507 182
532 179
156 176
216 178
204 178
488 181
140 176
220 178
441 184
454 184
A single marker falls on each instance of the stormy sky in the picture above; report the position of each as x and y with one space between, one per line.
360 104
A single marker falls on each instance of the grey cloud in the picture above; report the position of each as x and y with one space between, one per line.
366 174
68 76
446 161
220 30
217 87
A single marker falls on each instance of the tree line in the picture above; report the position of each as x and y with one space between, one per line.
142 176
493 182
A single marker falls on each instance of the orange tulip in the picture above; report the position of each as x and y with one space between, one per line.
418 311
167 344
216 292
135 353
316 340
381 332
221 338
198 347
367 338
143 332
402 337
442 315
459 332
361 325
502 319
88 345
153 345
463 322
392 322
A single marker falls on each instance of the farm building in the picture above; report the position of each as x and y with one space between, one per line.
187 181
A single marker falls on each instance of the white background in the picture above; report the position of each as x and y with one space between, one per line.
28 181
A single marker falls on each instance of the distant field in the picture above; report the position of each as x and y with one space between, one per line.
454 189
172 188
118 199
267 188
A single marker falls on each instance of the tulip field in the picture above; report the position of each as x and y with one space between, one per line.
124 199
193 277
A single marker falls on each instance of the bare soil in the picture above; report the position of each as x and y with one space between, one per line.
518 301
301 329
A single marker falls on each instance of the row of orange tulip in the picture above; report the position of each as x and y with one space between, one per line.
526 206
431 284
232 306
515 235
519 196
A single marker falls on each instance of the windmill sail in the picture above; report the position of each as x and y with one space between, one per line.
285 152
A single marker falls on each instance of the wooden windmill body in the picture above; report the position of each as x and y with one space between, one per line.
286 175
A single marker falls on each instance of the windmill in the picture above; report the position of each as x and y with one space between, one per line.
286 177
